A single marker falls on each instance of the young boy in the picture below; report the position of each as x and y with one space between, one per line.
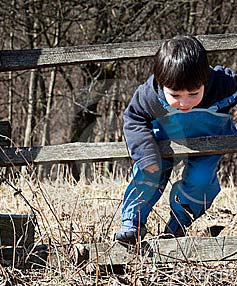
185 97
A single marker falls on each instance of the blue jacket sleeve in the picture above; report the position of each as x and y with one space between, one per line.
143 108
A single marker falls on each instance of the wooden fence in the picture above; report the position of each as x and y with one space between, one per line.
39 58
222 249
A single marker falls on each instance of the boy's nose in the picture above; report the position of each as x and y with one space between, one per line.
184 103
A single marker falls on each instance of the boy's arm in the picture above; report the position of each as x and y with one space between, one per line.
227 78
222 83
143 108
228 84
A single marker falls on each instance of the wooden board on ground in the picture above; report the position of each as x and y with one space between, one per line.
188 249
153 251
5 133
16 235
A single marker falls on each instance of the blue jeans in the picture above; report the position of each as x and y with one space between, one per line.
195 192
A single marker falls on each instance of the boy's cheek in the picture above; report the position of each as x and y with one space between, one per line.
172 102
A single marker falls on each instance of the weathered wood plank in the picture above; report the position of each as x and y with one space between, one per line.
16 235
48 57
16 229
5 133
192 249
85 152
152 251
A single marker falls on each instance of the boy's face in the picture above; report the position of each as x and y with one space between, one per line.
183 100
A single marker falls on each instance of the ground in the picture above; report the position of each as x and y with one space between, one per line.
82 212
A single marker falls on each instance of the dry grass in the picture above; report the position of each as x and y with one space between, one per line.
77 212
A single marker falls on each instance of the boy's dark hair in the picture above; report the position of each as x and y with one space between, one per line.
181 64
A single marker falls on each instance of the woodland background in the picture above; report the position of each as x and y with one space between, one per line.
86 102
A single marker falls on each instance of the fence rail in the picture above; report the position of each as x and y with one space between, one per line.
86 152
48 57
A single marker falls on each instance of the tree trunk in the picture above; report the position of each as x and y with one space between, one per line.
49 100
31 31
46 126
30 121
191 25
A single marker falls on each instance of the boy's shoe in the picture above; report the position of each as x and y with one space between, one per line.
131 235
174 228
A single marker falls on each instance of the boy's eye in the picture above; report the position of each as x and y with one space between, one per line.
175 95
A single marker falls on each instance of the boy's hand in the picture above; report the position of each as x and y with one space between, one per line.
152 168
